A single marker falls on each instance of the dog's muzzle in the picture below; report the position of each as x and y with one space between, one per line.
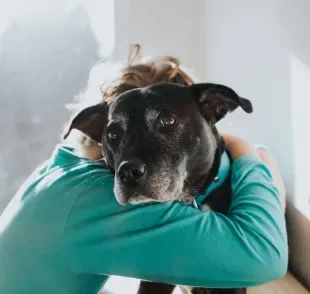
136 183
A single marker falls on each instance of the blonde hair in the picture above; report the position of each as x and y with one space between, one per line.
142 72
137 72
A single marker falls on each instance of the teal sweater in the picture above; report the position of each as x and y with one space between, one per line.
65 233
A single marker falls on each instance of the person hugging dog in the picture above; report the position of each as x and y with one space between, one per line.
65 232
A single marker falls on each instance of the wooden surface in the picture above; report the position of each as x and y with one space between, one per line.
287 285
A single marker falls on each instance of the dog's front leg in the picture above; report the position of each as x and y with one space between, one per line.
146 287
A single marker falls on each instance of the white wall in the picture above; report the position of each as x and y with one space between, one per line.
173 27
260 48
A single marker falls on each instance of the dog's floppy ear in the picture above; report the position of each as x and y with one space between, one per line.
89 121
215 101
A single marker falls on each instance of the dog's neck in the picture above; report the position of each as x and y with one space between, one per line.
216 164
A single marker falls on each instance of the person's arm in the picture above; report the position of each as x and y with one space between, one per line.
177 244
264 155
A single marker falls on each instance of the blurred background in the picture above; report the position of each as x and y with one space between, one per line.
260 48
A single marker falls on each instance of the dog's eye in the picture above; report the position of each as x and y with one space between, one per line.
113 132
112 135
167 120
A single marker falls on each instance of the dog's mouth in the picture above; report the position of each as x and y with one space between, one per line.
159 194
140 199
134 198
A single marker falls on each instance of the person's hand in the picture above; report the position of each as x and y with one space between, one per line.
238 147
275 172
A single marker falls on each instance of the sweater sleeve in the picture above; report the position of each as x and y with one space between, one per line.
177 244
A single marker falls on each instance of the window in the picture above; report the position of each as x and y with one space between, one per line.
47 49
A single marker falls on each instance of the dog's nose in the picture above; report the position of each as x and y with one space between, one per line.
130 172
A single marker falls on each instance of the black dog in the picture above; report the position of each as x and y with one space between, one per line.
163 146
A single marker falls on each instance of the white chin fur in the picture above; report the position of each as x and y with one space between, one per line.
140 200
143 199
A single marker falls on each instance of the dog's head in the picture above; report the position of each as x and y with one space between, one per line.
161 141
